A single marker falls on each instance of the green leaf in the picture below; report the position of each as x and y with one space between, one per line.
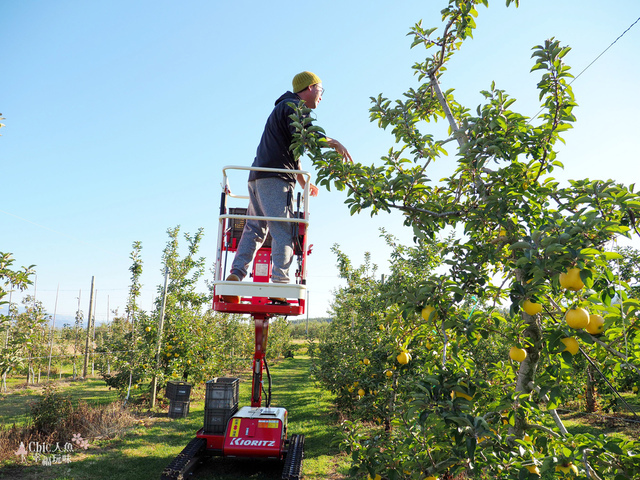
471 447
613 447
460 421
520 245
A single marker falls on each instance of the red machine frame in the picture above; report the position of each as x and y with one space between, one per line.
254 432
255 295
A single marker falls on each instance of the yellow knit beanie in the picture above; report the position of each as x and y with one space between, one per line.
303 80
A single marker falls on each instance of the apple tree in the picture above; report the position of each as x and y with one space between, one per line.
362 370
523 241
121 363
10 279
196 344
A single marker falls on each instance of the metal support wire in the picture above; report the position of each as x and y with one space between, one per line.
594 61
607 382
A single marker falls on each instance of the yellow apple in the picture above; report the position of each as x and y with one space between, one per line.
426 312
571 280
403 358
570 345
517 354
577 318
568 468
596 324
531 308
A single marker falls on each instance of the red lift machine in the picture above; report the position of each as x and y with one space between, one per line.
256 431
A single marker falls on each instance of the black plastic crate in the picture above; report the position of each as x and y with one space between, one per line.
216 419
178 409
236 225
179 391
222 393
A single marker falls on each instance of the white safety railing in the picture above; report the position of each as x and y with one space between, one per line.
261 289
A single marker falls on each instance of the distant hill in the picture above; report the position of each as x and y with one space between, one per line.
315 319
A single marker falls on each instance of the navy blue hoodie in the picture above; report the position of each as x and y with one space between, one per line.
273 150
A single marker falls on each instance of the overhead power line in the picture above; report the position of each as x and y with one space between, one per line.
594 61
604 51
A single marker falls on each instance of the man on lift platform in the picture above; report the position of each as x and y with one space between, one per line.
261 431
271 193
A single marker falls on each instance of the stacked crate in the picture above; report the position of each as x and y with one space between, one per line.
178 394
220 403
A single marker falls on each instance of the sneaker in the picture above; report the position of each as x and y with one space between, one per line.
231 298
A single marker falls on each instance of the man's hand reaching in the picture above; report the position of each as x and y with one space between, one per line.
346 156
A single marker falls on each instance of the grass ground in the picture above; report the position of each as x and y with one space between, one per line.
144 450
14 406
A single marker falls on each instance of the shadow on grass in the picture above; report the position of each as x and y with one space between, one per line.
14 408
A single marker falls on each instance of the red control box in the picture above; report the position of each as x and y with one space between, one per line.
256 432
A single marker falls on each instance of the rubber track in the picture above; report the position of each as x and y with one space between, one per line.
180 466
293 463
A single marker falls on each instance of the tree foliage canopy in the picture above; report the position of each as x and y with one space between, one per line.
516 232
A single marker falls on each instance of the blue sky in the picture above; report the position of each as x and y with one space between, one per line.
120 116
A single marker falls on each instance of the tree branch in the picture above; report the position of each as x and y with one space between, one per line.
553 412
427 212
590 471
534 426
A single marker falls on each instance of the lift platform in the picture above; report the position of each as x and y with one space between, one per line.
256 431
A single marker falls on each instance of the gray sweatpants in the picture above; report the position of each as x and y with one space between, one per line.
268 197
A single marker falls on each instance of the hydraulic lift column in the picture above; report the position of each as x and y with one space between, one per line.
262 330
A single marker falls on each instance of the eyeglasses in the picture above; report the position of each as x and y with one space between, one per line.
319 88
